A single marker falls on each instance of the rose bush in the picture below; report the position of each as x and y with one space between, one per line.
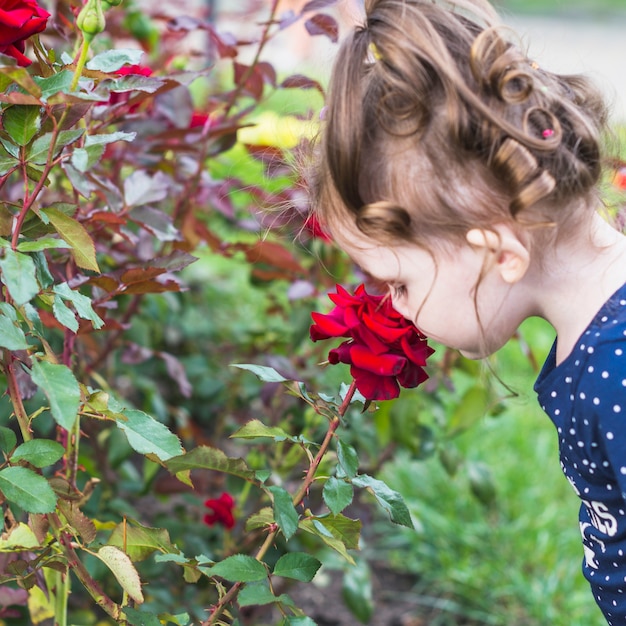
19 20
384 350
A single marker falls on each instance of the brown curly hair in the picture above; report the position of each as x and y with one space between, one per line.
437 122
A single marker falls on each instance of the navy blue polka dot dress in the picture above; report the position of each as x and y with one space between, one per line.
585 396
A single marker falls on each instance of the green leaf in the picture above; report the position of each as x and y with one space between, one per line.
285 513
38 152
83 159
139 542
297 620
261 519
205 457
21 122
64 314
389 499
337 494
106 138
135 617
61 388
297 565
348 458
112 60
81 303
19 276
44 277
57 83
264 373
11 335
8 440
45 243
22 77
123 570
239 568
38 452
481 483
326 534
147 436
255 428
30 491
256 595
19 538
471 408
76 236
356 591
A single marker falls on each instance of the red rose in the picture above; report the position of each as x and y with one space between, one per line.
222 511
19 20
384 350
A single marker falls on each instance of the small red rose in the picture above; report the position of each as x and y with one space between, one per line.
221 511
19 20
384 350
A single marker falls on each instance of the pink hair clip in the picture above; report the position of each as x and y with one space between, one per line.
547 133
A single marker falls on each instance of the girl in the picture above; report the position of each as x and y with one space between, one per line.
463 175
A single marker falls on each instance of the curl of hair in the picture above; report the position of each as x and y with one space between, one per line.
449 107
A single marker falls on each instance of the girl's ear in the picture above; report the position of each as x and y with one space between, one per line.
510 256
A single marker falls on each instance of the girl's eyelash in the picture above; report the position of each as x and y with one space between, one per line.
398 290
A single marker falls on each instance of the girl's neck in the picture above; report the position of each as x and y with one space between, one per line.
576 280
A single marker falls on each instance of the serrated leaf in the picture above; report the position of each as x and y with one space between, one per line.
38 452
83 159
348 458
38 152
134 617
8 440
297 620
254 429
285 513
11 335
78 521
264 373
261 519
57 83
327 537
107 138
389 499
205 457
22 77
19 276
239 568
148 436
112 60
21 122
61 388
297 565
139 542
64 314
123 570
337 494
257 594
81 303
75 234
30 491
45 243
20 538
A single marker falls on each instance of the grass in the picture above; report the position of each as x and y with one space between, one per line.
513 563
563 7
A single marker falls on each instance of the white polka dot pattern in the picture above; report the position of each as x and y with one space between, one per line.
585 397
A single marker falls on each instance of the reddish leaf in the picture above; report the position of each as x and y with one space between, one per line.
140 275
299 81
107 217
225 49
152 286
268 72
314 5
273 254
106 283
250 79
322 24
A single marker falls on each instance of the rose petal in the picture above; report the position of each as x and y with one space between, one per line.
374 387
327 326
381 364
412 376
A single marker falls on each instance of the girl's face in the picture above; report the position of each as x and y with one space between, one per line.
456 297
